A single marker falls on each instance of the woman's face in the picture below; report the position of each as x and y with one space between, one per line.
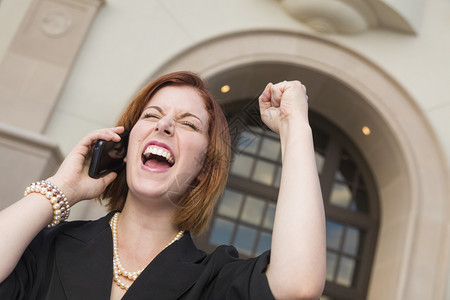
168 144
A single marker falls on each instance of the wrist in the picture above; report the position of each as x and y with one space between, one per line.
294 126
56 198
294 135
65 187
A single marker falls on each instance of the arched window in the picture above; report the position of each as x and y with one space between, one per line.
352 211
244 214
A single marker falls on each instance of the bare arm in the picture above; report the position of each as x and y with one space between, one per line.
298 257
23 220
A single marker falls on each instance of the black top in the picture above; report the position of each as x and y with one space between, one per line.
74 261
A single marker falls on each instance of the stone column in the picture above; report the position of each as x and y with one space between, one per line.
32 75
36 65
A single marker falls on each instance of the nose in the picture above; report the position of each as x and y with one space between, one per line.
165 125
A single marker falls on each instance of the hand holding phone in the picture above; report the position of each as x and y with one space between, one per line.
108 156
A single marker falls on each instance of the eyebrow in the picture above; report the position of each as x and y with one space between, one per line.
155 107
184 115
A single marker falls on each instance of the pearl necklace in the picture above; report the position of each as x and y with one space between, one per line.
118 270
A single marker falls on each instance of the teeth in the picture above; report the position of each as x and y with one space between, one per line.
158 151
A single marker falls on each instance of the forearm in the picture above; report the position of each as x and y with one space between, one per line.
19 224
22 221
298 241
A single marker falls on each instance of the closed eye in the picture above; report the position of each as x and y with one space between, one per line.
189 124
151 116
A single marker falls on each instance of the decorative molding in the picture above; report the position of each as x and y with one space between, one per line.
354 16
35 67
56 22
330 16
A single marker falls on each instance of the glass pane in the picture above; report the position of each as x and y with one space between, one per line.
277 181
221 232
248 142
339 177
334 234
331 265
230 204
270 216
242 165
253 210
345 273
257 130
264 172
353 206
341 195
263 243
320 161
270 149
245 240
351 243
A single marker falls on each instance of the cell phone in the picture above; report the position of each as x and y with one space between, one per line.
108 156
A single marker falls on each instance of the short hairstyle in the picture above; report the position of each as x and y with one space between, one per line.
197 205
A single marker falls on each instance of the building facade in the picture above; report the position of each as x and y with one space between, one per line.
377 78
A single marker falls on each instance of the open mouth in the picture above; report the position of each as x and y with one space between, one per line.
157 157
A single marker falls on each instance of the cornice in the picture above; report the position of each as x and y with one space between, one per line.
355 16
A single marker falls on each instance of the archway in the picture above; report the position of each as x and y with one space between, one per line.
401 151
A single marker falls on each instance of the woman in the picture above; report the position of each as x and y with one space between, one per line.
176 168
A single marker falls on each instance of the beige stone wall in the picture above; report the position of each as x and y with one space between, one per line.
38 46
38 59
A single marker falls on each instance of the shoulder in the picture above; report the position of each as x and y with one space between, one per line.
81 230
232 277
35 271
226 259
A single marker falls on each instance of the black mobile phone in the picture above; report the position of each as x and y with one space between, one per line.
108 156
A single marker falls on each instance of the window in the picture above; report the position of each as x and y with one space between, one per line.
245 213
352 212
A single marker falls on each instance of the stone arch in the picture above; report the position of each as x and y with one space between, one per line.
402 151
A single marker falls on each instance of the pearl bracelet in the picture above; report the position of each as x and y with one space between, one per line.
61 207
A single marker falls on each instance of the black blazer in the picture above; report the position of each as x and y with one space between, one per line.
74 261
